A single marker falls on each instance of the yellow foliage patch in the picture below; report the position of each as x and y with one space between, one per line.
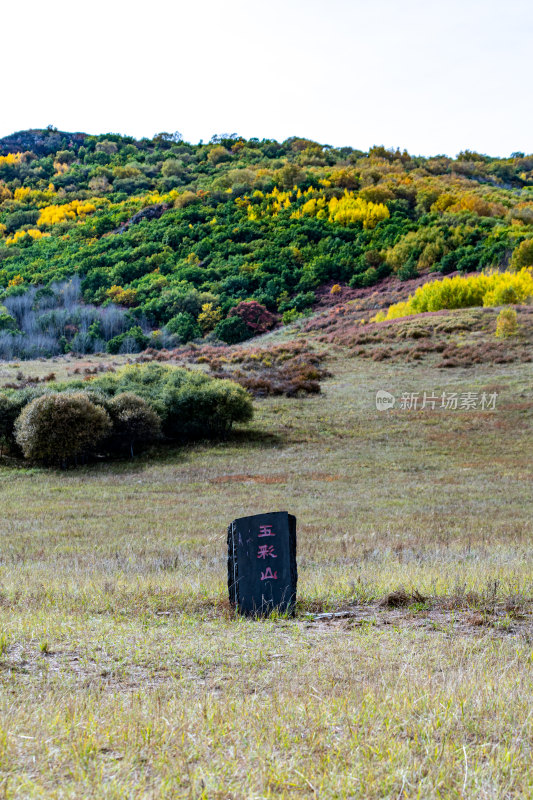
77 209
123 297
351 209
344 211
485 289
33 233
469 201
11 158
209 316
5 192
37 196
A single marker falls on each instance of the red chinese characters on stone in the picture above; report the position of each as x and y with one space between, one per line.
266 550
268 574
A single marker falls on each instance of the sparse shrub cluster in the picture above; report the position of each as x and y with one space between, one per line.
64 423
291 379
23 381
289 369
286 369
418 338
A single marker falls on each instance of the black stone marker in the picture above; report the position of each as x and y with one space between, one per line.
262 571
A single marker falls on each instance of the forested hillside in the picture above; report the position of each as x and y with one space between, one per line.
108 243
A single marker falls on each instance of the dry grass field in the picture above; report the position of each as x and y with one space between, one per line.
124 674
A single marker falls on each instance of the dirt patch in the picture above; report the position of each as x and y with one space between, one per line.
76 666
446 616
282 477
94 666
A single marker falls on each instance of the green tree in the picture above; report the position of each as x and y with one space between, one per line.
184 326
172 168
217 154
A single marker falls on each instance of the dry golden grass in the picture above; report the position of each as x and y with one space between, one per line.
123 673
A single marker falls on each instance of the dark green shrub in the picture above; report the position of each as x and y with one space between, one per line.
233 330
135 336
11 406
408 270
135 423
140 338
367 278
8 414
204 407
58 428
303 300
7 322
20 218
113 346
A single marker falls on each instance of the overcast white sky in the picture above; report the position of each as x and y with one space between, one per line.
433 77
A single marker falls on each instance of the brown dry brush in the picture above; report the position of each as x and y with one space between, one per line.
415 339
401 598
23 381
288 369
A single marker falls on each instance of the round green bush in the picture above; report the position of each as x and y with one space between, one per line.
57 428
204 407
135 423
11 406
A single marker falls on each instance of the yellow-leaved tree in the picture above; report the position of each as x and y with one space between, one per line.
351 209
122 297
209 316
77 209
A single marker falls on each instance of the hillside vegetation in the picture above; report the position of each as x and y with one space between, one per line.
170 242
